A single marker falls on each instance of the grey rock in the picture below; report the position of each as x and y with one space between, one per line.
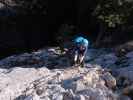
81 97
28 98
123 97
126 73
110 80
27 82
129 55
57 97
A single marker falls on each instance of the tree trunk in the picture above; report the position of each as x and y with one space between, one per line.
100 35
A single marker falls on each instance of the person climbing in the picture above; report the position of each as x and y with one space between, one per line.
80 50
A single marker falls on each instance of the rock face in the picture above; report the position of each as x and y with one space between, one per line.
109 79
125 70
57 84
124 48
104 57
50 58
25 77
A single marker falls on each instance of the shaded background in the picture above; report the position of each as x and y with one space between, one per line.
30 25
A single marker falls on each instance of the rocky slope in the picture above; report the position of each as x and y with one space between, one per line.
58 84
104 77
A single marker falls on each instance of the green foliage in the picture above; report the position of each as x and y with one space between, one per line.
113 12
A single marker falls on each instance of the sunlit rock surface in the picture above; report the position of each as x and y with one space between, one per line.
56 84
104 77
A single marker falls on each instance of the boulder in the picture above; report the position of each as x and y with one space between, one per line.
128 91
123 97
21 80
109 80
124 48
126 73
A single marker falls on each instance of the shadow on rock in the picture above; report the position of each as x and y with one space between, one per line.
50 58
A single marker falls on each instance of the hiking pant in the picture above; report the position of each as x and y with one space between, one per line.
79 56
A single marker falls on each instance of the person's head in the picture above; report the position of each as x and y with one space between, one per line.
85 42
78 39
82 47
81 41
